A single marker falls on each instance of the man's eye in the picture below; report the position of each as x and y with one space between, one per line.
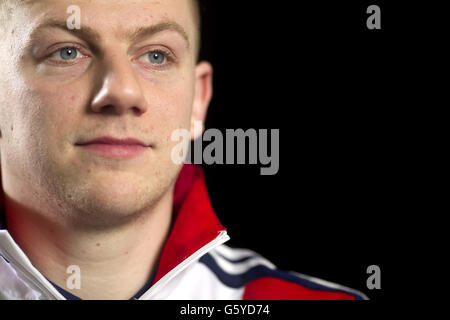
68 53
154 57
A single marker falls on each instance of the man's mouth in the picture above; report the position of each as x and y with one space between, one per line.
115 148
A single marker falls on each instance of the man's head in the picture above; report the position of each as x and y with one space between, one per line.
130 71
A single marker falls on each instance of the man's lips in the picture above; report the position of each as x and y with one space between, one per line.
115 148
114 141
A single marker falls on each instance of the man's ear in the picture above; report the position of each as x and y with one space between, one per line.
203 94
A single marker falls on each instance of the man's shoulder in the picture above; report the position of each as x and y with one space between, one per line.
262 280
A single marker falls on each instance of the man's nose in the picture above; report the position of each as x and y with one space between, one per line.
120 91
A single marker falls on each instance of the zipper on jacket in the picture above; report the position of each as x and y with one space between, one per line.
220 239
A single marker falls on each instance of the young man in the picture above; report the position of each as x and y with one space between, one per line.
93 205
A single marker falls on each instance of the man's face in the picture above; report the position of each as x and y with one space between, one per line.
112 78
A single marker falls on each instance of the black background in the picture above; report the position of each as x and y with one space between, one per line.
333 88
344 99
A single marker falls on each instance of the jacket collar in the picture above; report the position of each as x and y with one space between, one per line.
195 229
195 223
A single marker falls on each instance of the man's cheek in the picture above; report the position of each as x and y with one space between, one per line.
173 113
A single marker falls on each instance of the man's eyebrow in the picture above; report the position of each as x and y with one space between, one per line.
93 36
84 32
143 32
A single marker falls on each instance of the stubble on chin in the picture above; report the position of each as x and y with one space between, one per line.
92 205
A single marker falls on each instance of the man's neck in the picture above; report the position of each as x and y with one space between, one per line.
113 263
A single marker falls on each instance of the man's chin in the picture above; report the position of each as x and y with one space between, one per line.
98 214
109 207
106 200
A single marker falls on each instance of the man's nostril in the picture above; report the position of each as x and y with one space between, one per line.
138 111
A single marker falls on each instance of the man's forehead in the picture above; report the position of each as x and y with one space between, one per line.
113 15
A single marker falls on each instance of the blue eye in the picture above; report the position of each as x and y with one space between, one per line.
68 53
154 57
